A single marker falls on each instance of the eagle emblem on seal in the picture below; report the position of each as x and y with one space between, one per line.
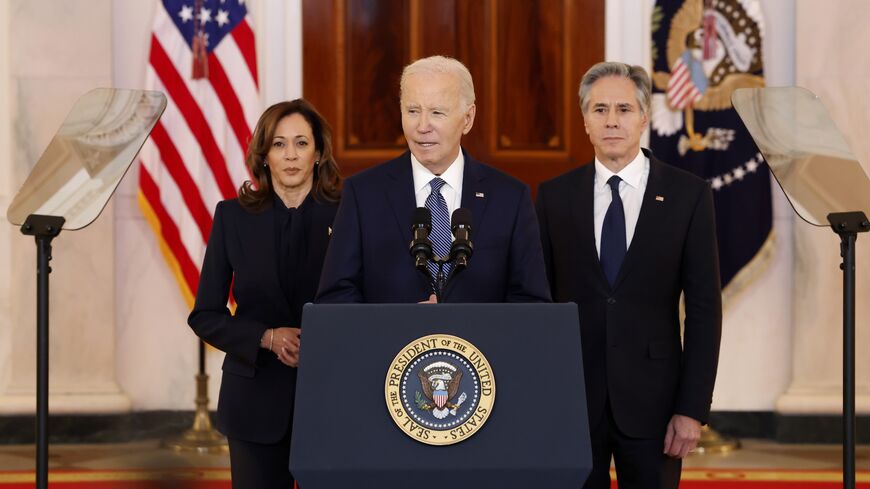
440 383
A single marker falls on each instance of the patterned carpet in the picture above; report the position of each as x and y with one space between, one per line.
220 479
122 479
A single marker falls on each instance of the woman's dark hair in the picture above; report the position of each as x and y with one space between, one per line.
256 194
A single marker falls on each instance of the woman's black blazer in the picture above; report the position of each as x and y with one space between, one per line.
257 391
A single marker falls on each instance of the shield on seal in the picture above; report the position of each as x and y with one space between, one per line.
440 398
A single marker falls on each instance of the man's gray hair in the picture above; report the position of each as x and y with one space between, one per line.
442 64
604 69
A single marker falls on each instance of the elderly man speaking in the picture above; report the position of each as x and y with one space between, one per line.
368 258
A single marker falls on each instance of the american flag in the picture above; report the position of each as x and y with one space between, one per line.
203 57
688 82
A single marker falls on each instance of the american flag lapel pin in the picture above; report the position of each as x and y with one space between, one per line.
478 195
660 198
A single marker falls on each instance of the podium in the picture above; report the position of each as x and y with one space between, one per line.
536 431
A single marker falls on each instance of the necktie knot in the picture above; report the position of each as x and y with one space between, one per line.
435 184
614 183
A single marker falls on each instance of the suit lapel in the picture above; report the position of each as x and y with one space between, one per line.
258 228
583 210
651 215
474 198
474 192
401 195
403 202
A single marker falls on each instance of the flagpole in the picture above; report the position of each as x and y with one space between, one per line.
201 437
713 442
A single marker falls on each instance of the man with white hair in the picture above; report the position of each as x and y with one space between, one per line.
368 259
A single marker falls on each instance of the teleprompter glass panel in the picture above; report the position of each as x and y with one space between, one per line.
86 159
806 152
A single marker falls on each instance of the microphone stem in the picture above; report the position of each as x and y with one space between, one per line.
439 282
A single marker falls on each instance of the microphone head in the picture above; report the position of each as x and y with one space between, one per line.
422 217
461 218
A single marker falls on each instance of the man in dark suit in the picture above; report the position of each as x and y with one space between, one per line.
624 237
368 259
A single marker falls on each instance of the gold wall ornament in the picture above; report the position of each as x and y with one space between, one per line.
440 389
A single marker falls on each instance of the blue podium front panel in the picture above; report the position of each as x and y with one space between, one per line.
534 432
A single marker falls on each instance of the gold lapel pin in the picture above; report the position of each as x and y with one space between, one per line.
329 230
660 198
478 194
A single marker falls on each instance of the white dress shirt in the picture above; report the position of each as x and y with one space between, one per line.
452 188
631 189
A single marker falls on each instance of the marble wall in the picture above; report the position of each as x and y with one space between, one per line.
119 334
6 189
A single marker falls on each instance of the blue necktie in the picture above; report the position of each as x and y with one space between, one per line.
613 234
440 236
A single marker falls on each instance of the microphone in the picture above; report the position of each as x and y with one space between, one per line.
462 248
421 247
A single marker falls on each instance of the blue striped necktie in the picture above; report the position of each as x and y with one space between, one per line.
440 236
613 233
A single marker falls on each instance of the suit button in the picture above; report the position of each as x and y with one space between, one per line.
611 301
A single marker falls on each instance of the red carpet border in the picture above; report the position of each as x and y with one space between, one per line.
220 479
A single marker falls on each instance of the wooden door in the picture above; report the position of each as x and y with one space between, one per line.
526 58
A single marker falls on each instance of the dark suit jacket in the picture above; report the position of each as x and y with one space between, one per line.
257 390
631 332
368 259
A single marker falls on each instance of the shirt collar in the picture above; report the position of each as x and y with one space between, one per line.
452 176
631 174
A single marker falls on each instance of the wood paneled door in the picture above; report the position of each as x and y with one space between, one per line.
526 58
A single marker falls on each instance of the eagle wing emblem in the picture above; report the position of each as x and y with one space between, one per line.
453 386
427 386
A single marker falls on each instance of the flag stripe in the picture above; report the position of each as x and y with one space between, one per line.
193 115
232 107
191 154
234 65
173 203
189 191
244 37
168 230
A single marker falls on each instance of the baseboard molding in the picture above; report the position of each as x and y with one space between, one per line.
149 425
94 428
787 428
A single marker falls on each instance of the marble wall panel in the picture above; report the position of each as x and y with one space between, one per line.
6 188
52 39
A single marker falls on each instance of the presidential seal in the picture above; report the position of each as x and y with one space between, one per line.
440 389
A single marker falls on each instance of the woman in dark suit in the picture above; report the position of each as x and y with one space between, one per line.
268 246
